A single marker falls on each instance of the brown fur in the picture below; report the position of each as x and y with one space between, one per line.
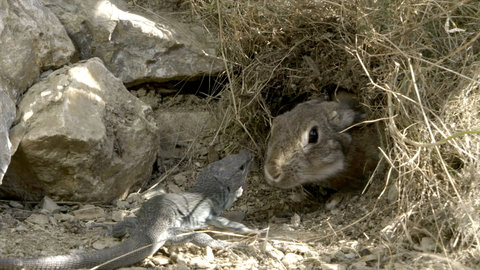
338 160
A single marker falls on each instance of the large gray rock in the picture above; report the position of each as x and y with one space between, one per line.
31 39
84 137
7 114
133 47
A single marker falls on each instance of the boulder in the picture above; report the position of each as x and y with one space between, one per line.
31 39
7 115
137 47
84 137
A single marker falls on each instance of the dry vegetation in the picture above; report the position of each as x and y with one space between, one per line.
414 64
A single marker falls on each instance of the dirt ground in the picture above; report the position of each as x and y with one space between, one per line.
302 233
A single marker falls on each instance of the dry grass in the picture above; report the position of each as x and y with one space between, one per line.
414 63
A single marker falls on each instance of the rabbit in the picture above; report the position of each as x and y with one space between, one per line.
309 145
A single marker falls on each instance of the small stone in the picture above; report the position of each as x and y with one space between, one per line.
359 266
180 179
20 228
39 219
52 221
273 252
302 249
291 259
333 266
122 204
160 260
182 266
392 195
118 215
297 196
295 220
350 255
209 254
202 263
60 217
104 243
427 244
173 188
135 198
89 212
371 257
48 204
15 204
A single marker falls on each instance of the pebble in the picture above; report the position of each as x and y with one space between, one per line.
104 243
63 217
209 254
118 215
89 212
160 260
39 219
15 204
427 244
350 255
48 205
180 179
122 204
173 188
135 198
200 262
295 220
273 252
291 259
359 266
333 266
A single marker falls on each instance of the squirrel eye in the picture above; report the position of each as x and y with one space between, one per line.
313 135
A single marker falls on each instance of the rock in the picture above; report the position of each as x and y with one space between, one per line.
160 260
360 266
295 220
136 47
31 39
392 195
291 259
332 266
48 204
60 217
15 204
122 204
86 137
118 215
104 243
273 252
209 254
135 198
7 115
199 262
427 244
39 219
181 128
89 212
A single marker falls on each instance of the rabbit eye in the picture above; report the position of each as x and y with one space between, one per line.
313 135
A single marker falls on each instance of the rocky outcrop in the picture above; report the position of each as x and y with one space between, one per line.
31 40
84 137
7 114
133 47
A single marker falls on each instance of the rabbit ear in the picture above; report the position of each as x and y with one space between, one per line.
341 118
